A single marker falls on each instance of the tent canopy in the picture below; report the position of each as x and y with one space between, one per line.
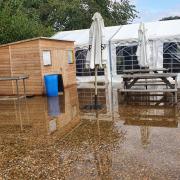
126 33
81 37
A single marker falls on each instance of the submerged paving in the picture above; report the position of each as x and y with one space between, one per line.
57 138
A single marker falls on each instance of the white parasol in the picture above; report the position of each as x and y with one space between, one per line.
95 58
143 51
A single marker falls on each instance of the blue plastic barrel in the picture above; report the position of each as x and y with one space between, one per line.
51 84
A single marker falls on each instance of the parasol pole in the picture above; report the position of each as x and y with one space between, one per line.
96 69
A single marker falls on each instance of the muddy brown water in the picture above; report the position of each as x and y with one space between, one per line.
58 138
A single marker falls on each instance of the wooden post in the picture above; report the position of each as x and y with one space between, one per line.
176 84
18 99
27 110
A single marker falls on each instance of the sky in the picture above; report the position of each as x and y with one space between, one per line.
153 10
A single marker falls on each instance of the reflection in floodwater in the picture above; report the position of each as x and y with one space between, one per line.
148 111
53 106
40 112
94 142
150 99
144 135
56 138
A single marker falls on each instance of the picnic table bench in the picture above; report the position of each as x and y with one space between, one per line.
154 70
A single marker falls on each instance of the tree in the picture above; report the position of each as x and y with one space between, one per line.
22 19
77 14
170 18
16 24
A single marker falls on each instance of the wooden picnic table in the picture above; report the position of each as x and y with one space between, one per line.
133 80
17 79
8 78
17 97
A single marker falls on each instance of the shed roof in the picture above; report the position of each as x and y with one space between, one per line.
33 39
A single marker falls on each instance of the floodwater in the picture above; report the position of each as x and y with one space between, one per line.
60 138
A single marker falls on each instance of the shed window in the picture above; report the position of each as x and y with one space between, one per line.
171 56
126 58
47 58
70 57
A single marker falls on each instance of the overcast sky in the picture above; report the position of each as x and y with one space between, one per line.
153 10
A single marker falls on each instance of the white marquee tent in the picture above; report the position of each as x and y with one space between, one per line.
163 38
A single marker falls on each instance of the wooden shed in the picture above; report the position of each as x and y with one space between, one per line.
37 57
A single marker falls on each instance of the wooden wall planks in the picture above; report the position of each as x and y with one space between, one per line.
25 60
59 54
5 70
25 57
